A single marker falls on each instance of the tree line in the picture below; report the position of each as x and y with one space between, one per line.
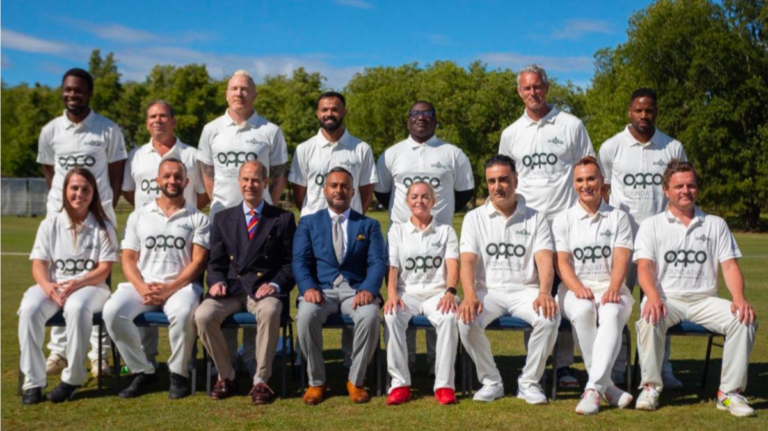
708 62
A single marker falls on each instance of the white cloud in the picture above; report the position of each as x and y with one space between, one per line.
6 63
357 4
576 28
516 62
22 42
122 34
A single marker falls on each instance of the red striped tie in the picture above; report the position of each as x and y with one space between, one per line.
252 224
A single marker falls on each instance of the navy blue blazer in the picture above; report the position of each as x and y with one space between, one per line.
314 260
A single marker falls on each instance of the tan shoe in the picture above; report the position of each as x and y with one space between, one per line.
357 394
55 364
314 395
105 370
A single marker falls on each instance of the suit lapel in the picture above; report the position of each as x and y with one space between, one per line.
353 228
241 230
263 227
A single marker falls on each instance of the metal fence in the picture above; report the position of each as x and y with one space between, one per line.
23 196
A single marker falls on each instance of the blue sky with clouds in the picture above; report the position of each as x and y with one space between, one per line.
42 39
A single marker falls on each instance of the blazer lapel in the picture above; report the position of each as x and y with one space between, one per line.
353 228
266 220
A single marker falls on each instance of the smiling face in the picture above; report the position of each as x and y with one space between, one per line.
338 191
502 183
642 114
160 123
331 113
253 181
588 182
682 191
75 94
79 193
533 91
420 199
241 93
422 121
172 179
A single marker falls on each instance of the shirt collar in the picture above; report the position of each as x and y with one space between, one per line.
251 121
429 229
698 216
68 222
344 215
602 211
259 208
154 207
633 141
519 209
87 122
432 142
172 152
326 143
549 118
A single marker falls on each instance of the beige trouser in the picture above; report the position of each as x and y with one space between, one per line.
213 311
710 312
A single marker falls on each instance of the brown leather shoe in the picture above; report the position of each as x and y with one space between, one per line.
314 395
223 389
357 394
261 394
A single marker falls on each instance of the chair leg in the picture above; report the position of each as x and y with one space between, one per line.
193 374
636 368
293 350
378 369
628 362
116 365
554 374
284 389
101 357
706 363
207 359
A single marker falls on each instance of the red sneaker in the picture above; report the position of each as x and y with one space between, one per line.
446 396
399 396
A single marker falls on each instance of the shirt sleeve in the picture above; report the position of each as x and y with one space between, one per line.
385 175
297 174
465 180
645 242
726 244
469 240
681 152
108 244
560 233
42 248
623 236
452 245
543 240
116 145
204 146
128 184
45 154
131 240
368 173
605 160
278 153
203 231
584 146
393 244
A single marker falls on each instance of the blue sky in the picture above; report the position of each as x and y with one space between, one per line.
42 39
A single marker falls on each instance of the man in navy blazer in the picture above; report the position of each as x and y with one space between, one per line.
249 268
339 261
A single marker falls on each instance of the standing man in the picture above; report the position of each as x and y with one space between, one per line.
506 269
633 161
80 137
141 170
677 253
424 157
164 251
339 260
225 145
545 143
250 265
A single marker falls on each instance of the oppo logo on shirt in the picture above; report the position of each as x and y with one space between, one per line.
539 160
592 253
642 180
423 263
74 266
685 257
320 179
150 186
433 181
164 242
236 158
70 162
505 250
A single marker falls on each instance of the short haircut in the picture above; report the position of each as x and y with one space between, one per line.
589 160
257 163
161 102
332 94
340 169
432 192
643 92
244 73
676 166
79 73
172 160
501 159
426 103
534 68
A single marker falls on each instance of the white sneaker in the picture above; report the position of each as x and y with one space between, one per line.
55 364
589 404
532 393
489 393
734 403
648 399
669 380
105 370
617 398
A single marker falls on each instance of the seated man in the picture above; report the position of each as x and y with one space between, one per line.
506 269
677 253
164 252
250 264
339 260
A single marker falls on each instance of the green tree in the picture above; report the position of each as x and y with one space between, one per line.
106 84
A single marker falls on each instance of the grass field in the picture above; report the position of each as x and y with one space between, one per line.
689 408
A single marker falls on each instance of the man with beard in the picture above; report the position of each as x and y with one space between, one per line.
164 251
80 137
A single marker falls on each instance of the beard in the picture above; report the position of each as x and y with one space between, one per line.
169 194
333 125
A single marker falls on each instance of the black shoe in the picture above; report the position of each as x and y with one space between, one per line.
138 386
62 392
32 396
179 387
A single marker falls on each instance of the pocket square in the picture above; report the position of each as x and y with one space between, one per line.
361 237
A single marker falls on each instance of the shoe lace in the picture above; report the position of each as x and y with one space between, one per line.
737 398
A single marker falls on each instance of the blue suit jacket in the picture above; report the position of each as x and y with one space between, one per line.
314 261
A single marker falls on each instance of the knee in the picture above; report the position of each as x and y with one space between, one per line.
270 313
582 311
204 320
111 313
448 319
182 315
610 314
547 325
465 329
368 315
77 310
307 315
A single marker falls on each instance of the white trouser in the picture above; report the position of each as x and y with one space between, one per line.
126 303
397 350
35 310
597 328
710 312
518 303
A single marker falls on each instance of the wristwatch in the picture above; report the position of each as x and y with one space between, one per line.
451 290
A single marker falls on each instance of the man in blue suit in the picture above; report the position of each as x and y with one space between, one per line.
339 261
